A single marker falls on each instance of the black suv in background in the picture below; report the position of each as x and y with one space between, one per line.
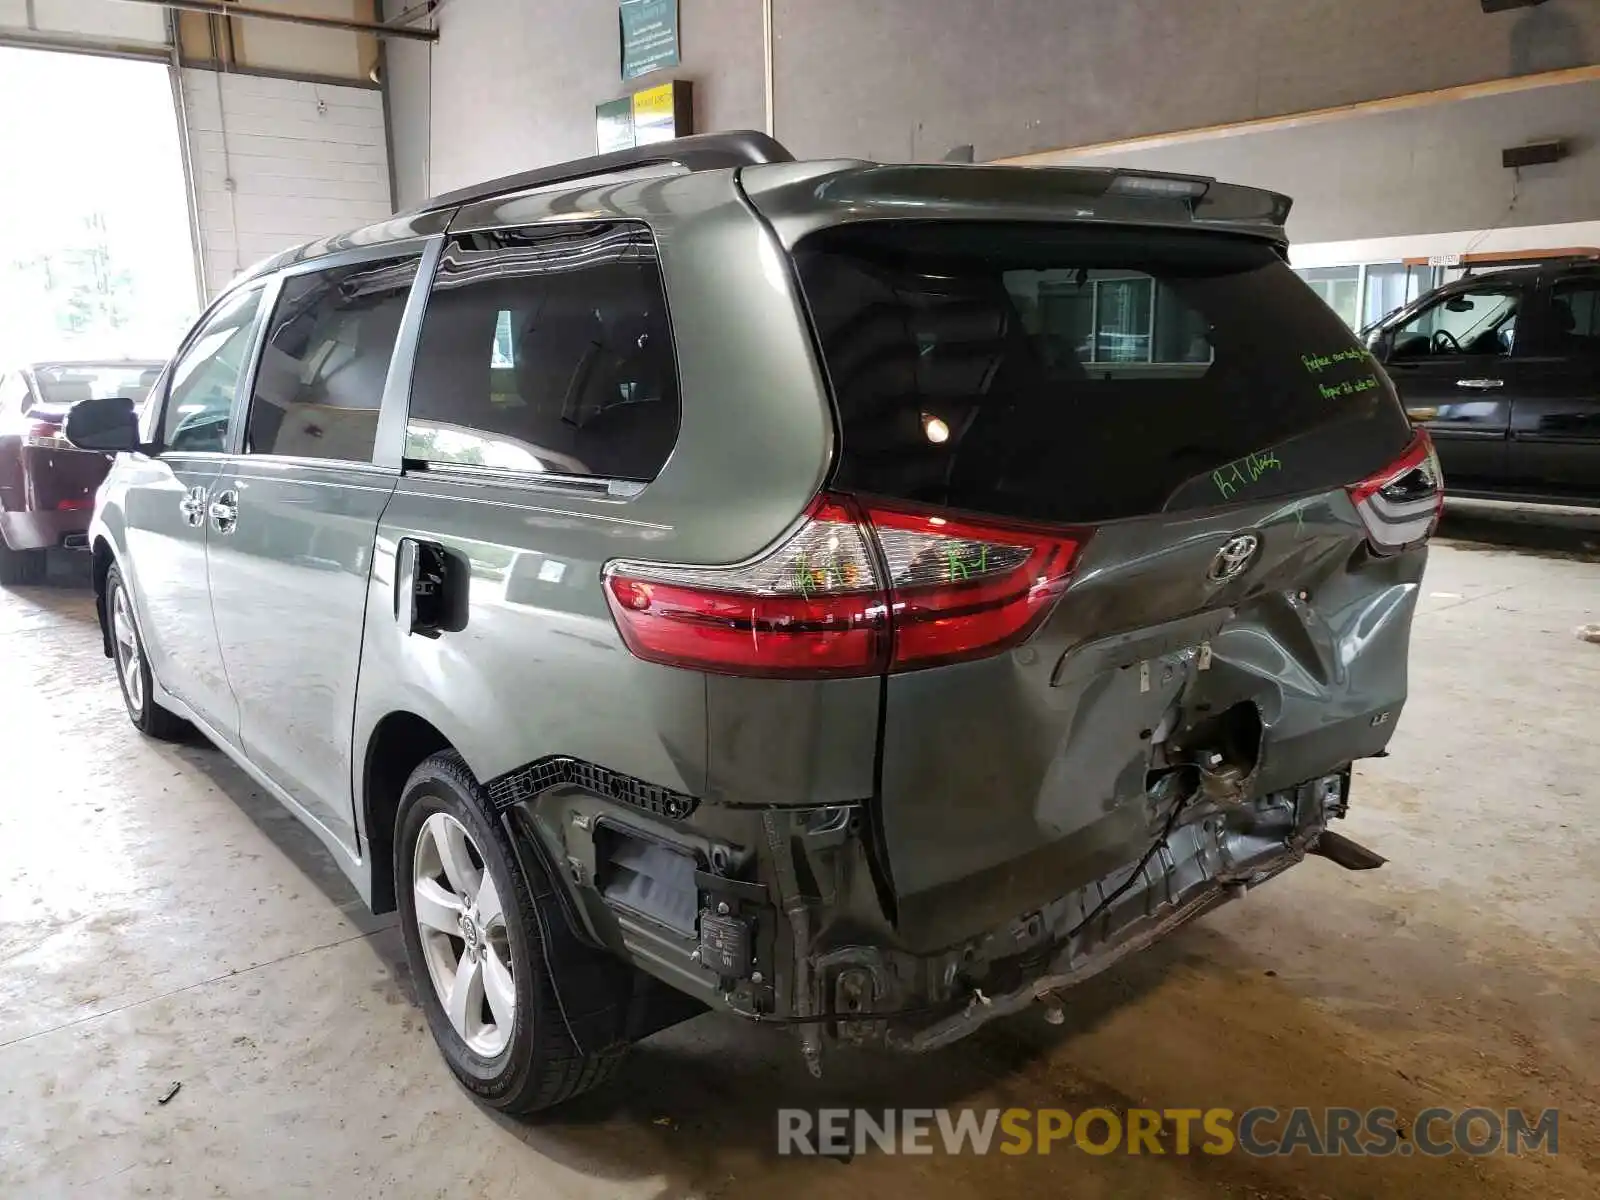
1503 369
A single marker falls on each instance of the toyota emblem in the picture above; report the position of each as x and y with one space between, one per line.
1236 554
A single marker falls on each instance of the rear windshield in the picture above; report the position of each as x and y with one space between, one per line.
68 383
1075 373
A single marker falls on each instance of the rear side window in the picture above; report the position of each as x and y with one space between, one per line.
1074 373
329 341
547 351
1576 305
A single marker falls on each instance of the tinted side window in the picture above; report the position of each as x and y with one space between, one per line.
329 341
547 350
1576 305
200 394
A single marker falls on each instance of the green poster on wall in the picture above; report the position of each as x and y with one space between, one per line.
613 125
649 36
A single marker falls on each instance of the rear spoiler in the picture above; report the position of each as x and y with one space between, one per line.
847 190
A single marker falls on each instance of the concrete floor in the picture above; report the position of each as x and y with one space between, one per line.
162 922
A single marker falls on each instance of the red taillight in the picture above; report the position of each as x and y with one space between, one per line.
75 504
848 593
812 606
960 590
1401 504
44 433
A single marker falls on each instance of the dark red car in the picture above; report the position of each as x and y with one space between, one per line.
47 486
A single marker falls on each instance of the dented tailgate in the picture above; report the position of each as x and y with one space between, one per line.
1198 422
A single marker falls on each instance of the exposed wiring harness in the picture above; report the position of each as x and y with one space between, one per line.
1138 869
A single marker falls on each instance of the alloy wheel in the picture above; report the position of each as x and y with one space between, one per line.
462 926
130 660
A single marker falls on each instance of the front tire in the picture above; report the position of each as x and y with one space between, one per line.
20 568
133 667
485 973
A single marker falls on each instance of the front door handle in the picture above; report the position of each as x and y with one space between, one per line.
1480 383
225 511
193 507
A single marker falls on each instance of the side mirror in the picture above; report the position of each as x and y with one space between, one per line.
108 424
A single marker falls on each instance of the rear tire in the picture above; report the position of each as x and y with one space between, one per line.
133 667
20 568
509 1041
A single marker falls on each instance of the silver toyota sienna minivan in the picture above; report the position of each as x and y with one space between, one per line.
862 599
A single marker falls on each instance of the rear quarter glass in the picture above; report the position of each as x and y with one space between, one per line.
1085 374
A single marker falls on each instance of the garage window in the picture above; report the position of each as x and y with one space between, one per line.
13 394
547 351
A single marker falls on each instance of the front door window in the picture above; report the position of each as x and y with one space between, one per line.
200 397
1477 321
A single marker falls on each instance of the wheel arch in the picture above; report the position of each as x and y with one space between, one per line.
399 743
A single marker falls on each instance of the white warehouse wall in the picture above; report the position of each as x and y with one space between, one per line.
1428 169
304 159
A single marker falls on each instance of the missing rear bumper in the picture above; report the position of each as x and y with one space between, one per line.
777 915
1209 856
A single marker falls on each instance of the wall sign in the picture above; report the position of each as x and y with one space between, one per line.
649 34
656 114
613 125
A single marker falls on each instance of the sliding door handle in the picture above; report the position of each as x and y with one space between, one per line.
225 511
430 588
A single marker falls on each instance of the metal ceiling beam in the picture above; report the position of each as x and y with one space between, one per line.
217 8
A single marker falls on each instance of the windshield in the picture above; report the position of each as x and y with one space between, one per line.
68 383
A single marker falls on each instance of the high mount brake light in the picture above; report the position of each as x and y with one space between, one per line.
1401 504
851 591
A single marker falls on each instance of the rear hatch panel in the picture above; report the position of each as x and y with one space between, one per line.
1011 780
1176 393
60 476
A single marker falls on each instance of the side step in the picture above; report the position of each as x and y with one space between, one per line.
1352 856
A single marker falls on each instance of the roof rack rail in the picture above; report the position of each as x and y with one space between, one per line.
699 152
